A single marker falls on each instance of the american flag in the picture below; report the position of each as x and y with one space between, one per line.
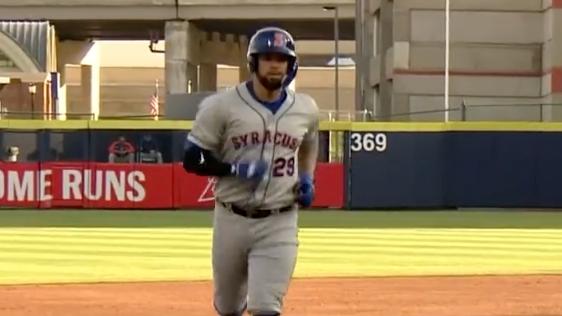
154 106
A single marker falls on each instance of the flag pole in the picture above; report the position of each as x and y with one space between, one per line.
157 101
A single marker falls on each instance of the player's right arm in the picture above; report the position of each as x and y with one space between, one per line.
204 141
202 162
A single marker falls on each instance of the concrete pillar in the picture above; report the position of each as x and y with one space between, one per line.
79 53
194 38
192 76
208 77
552 63
244 72
90 81
176 57
385 41
369 62
90 87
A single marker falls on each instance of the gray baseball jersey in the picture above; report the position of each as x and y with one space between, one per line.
253 259
236 127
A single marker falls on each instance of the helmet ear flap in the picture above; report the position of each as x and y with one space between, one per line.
291 71
252 63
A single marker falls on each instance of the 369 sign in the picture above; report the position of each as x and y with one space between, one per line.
368 142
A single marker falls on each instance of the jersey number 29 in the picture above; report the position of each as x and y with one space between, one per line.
282 167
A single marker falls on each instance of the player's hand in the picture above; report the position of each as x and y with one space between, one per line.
254 170
305 190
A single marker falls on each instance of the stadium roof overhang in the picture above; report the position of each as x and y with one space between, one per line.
306 29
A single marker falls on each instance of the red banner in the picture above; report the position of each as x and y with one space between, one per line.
128 186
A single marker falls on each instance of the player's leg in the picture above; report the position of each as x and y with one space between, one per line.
230 248
271 262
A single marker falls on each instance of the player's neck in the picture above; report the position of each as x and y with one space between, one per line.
264 94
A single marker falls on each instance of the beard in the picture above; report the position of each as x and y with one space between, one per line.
270 84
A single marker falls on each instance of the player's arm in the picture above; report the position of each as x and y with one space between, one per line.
308 150
204 163
204 141
308 155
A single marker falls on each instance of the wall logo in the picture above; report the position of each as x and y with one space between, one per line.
208 193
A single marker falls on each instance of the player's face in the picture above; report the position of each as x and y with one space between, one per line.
272 68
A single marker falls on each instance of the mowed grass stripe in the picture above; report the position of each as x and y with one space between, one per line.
464 264
350 230
132 254
79 230
32 253
373 253
101 242
330 255
554 237
423 256
104 265
139 273
314 245
432 264
312 233
427 232
310 263
323 243
450 239
186 233
433 234
437 246
554 240
97 264
434 248
82 249
359 231
171 247
321 231
393 270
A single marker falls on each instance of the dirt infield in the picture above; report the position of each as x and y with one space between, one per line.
435 296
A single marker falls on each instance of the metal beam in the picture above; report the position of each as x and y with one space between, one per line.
114 12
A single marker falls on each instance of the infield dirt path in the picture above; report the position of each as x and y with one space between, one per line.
423 296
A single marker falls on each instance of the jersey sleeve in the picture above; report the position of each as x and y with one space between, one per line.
208 126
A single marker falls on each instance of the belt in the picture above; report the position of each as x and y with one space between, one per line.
256 213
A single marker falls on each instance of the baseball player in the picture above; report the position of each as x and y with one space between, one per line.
260 140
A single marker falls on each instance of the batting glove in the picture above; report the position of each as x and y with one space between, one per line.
254 170
305 190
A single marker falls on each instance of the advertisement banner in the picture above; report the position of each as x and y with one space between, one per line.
128 186
22 185
192 191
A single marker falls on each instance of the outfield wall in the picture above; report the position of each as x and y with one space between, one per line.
454 165
386 165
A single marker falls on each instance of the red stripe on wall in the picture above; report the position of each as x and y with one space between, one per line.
556 81
557 3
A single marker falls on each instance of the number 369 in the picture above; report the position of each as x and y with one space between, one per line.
368 142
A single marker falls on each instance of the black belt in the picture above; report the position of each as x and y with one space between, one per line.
256 213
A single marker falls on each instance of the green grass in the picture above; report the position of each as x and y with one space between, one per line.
104 246
307 219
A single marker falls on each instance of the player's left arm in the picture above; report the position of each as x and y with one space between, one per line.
308 153
307 158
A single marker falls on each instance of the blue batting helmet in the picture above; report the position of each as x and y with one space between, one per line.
273 40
